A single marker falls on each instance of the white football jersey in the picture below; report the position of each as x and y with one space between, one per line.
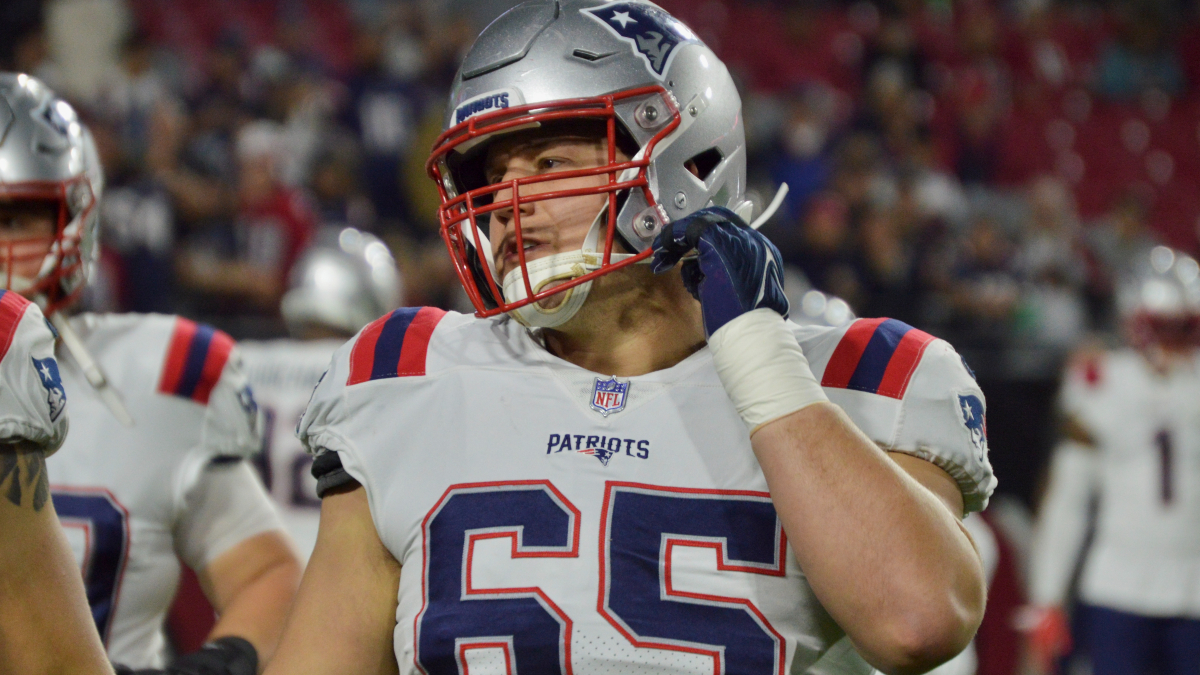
282 374
550 520
1145 470
122 492
33 401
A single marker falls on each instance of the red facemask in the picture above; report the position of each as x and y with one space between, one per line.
75 202
459 214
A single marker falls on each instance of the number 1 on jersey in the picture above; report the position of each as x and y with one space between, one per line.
1165 457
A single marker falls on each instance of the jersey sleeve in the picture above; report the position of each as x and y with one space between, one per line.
910 393
394 346
203 364
226 506
318 428
32 398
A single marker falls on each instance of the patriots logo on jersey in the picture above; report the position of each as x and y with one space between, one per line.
973 415
653 33
602 448
56 396
608 396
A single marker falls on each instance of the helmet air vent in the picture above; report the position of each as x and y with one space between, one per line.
508 38
590 56
705 163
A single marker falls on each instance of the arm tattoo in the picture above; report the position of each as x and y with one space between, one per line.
32 480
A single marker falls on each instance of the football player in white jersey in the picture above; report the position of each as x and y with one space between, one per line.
45 626
1133 445
344 281
597 473
162 418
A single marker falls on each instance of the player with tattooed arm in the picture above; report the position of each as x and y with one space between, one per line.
628 461
162 419
45 626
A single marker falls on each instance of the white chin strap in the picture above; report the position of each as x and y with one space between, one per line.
559 267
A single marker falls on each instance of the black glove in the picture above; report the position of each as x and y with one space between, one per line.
223 656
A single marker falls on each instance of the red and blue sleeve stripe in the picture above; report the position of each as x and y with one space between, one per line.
195 359
12 308
394 345
877 356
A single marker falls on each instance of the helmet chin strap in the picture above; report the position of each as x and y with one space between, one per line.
558 267
91 370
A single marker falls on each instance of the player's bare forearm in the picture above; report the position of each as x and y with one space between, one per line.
345 612
886 556
252 587
45 625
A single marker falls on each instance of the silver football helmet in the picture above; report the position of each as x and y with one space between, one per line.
343 282
47 155
636 75
1159 302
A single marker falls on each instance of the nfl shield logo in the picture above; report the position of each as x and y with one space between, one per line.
608 396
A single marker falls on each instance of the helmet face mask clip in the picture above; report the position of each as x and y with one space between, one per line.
464 206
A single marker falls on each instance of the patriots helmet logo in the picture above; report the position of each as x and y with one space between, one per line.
56 395
651 32
602 454
970 409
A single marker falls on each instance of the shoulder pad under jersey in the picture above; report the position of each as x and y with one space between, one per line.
911 393
32 399
394 346
203 364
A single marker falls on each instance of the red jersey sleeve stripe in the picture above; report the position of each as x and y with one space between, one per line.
12 309
903 363
219 348
362 354
177 355
849 351
416 341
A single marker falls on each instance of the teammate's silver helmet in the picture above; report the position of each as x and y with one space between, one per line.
637 74
1159 302
343 281
47 155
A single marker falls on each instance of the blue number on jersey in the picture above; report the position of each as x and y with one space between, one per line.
643 525
107 524
532 631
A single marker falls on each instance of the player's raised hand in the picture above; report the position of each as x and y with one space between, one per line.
737 269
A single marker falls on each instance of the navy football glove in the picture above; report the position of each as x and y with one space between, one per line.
737 269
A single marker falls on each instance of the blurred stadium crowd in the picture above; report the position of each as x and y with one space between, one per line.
980 169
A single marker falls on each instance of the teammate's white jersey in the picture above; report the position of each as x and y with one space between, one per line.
32 398
557 521
136 500
282 374
1145 470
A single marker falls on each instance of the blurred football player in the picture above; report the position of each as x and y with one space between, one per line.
45 625
597 473
1132 444
162 418
345 280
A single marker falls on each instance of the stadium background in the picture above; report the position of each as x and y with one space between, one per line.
983 170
